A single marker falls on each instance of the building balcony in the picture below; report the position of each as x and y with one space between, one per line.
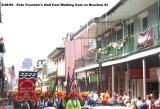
89 59
130 44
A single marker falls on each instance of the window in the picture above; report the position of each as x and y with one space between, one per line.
57 61
119 34
145 22
143 19
130 29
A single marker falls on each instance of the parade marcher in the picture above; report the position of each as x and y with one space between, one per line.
50 105
149 102
61 104
126 98
55 101
139 102
157 103
15 102
41 104
84 97
132 105
32 104
120 100
1 103
73 103
9 99
144 104
93 98
26 105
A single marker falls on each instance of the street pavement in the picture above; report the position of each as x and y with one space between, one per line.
105 107
9 107
87 107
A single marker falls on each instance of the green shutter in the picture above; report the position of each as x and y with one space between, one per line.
130 29
145 22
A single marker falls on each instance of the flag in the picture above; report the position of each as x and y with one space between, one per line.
73 83
73 77
68 84
11 71
68 80
56 82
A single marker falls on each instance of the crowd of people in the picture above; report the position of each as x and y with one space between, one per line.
53 101
76 100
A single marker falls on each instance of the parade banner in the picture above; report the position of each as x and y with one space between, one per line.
26 85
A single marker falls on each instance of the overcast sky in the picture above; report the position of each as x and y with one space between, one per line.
35 31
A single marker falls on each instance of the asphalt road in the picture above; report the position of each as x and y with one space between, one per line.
106 107
9 107
96 107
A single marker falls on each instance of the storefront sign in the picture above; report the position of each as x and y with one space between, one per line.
145 39
93 78
26 85
137 74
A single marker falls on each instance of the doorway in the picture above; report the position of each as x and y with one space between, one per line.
152 88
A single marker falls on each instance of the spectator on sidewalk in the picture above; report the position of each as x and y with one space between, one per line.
139 102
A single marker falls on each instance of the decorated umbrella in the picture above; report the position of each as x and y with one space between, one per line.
48 82
73 94
14 91
85 94
48 93
61 95
43 93
38 90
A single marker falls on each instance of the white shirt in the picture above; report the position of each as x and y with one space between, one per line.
95 96
49 108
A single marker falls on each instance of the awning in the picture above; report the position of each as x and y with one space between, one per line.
86 67
138 55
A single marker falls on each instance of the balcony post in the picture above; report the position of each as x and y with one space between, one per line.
158 10
123 35
144 78
86 81
99 78
129 79
112 82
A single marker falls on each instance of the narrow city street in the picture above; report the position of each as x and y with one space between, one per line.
80 54
98 107
106 107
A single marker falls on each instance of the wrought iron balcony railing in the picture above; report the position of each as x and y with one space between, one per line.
130 44
90 58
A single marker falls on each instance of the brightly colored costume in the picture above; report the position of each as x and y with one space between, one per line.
73 104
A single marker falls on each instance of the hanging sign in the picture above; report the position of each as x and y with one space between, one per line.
145 38
93 78
138 73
